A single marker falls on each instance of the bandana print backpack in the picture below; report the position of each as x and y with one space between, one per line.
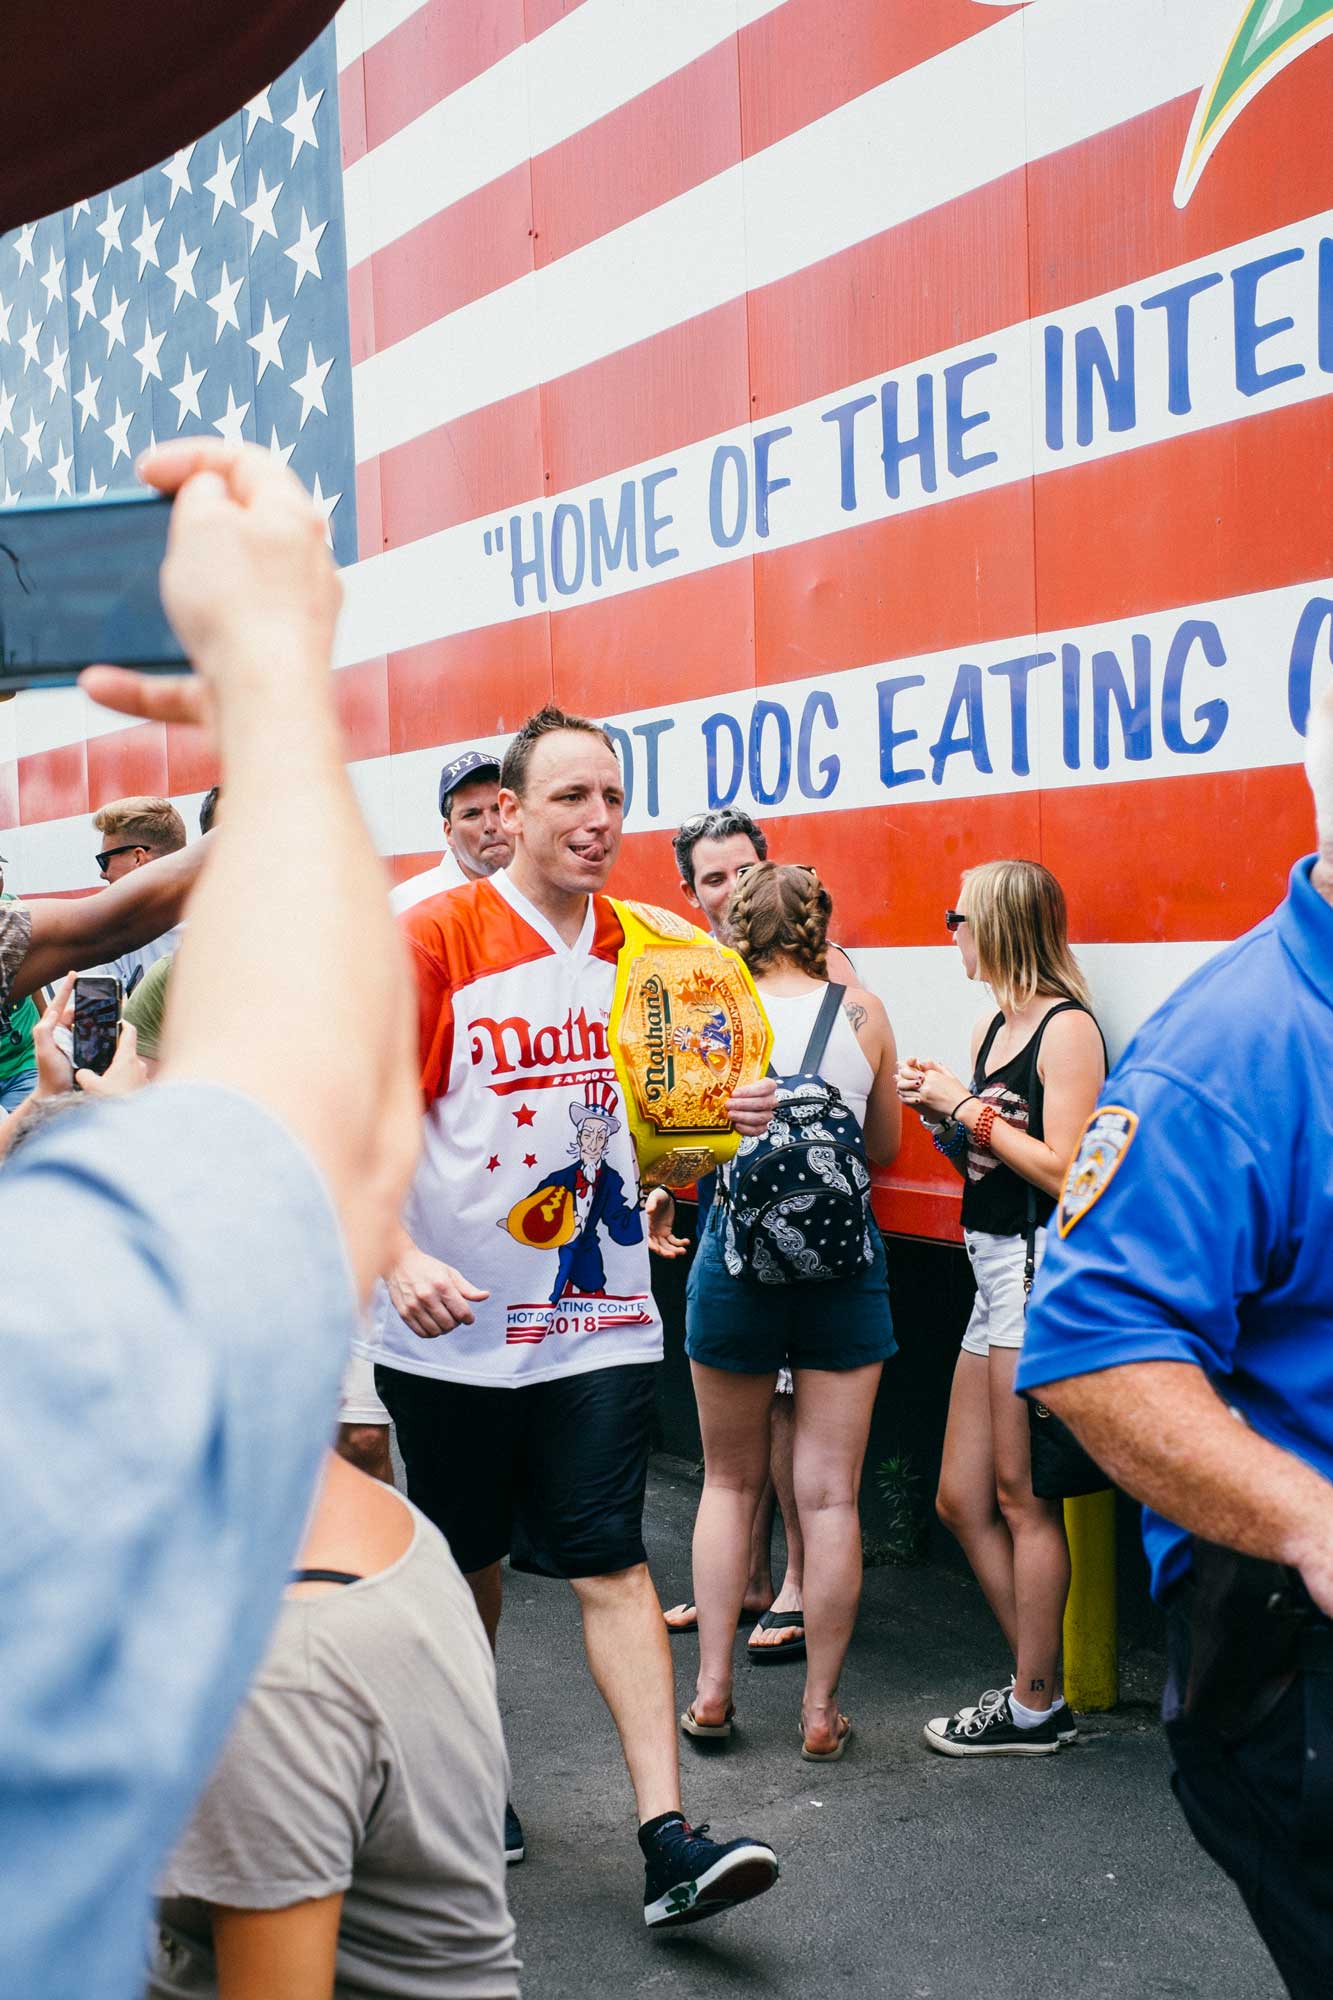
798 1203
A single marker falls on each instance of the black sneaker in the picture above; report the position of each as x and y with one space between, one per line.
514 1845
1066 1728
690 1877
989 1730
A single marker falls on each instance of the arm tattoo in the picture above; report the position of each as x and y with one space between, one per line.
856 1014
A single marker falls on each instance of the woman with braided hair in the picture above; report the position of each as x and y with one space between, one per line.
835 1335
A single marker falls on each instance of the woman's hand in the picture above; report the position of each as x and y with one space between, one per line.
660 1208
930 1088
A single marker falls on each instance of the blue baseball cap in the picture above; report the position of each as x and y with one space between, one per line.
459 770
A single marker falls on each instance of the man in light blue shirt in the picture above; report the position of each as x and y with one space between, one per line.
1182 1323
182 1271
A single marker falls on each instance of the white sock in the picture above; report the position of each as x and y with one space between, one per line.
1028 1718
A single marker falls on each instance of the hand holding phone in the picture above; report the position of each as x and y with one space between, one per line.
97 998
78 585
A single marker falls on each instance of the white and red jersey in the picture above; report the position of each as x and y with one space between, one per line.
528 1182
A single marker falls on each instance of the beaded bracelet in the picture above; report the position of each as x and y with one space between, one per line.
951 1141
984 1126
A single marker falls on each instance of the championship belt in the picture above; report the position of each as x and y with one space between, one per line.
687 1029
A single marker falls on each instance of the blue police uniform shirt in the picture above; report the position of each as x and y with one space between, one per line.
1206 1231
174 1319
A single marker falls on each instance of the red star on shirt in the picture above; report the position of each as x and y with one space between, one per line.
529 1159
525 1114
492 1163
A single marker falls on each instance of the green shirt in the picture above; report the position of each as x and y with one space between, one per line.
16 1026
146 1006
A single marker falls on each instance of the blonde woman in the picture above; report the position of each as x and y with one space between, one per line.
1038 1063
834 1334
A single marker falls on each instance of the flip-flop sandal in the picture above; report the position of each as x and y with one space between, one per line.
787 1649
828 1756
708 1732
677 1631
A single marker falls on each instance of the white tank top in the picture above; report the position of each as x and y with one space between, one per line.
844 1063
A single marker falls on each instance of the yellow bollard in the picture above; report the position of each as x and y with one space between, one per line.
1091 1667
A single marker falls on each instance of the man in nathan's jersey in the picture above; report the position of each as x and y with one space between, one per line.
520 1373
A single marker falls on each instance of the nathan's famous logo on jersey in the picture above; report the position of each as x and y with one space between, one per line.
514 1049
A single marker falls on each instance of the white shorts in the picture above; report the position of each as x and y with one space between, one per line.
1000 1313
360 1404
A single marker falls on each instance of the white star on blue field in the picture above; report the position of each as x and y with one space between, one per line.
207 295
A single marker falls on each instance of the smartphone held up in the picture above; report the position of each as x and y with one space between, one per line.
79 586
97 1000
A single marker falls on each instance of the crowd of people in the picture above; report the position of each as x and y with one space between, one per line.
255 1682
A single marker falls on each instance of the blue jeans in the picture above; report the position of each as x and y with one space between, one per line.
15 1090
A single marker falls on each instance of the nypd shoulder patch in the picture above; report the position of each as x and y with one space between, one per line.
1105 1140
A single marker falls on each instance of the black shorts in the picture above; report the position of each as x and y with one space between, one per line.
551 1474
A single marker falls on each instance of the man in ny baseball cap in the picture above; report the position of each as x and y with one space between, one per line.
475 843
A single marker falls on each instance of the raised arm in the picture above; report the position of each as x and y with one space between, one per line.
292 904
69 933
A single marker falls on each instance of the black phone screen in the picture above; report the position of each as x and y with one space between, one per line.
78 585
96 1022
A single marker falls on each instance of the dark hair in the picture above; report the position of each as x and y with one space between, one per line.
781 911
208 810
721 824
547 721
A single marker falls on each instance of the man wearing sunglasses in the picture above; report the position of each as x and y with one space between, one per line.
134 832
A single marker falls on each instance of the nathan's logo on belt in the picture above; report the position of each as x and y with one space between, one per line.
687 1029
659 1073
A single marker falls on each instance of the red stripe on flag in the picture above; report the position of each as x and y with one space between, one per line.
1264 488
672 137
850 317
893 869
434 52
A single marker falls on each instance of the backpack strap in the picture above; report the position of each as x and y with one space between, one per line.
825 1021
819 1034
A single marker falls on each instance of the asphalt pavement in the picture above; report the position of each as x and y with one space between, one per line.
903 1874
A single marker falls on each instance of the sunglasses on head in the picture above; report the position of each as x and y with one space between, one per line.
746 866
109 853
953 918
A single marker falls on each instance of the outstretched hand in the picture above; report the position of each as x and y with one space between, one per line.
660 1208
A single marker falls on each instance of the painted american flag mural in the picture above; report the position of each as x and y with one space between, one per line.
908 420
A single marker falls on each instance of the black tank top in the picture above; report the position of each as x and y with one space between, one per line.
995 1198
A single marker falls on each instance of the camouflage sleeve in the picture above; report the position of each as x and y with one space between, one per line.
15 935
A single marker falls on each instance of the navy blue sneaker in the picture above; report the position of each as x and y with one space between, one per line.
689 1877
515 1848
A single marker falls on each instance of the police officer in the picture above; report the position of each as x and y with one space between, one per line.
1182 1324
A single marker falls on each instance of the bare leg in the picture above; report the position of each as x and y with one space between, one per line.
630 1657
487 1590
967 1502
782 1434
733 1416
833 1412
366 1446
1037 1528
759 1584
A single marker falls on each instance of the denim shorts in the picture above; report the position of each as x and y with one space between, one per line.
753 1329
